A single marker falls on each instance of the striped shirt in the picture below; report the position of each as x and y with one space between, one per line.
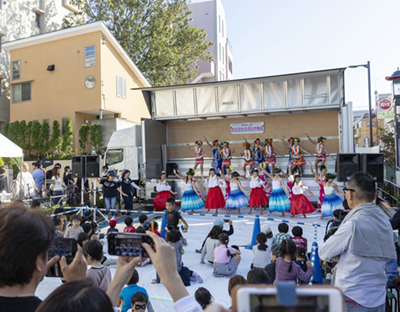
73 233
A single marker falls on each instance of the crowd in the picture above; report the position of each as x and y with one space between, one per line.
361 247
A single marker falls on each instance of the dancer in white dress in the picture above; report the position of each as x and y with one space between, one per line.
236 198
331 200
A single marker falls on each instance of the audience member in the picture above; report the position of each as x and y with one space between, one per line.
266 229
298 238
236 280
336 217
143 218
211 243
82 239
3 179
49 172
261 252
257 276
27 183
283 229
87 228
301 256
203 297
221 224
129 227
362 246
36 203
173 217
270 269
60 222
226 259
74 230
152 226
100 274
139 302
38 177
113 224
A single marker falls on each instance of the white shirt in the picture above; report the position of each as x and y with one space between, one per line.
261 257
57 184
208 249
162 187
27 183
213 182
297 190
361 279
187 304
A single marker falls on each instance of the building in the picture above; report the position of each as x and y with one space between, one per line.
210 15
81 72
361 130
21 19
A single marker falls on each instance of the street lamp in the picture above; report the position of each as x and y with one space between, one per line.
368 66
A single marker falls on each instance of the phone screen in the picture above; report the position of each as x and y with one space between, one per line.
128 244
61 247
305 303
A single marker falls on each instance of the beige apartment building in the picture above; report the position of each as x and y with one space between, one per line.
81 72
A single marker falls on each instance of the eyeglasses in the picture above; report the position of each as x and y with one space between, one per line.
345 189
140 306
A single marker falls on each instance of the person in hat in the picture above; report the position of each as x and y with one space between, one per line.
258 150
270 268
226 156
198 155
236 198
331 200
248 159
112 223
110 186
320 151
266 229
300 204
257 196
278 200
270 154
217 159
191 199
164 192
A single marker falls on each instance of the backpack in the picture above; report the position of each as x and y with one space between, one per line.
185 275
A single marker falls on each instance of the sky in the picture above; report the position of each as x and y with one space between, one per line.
271 37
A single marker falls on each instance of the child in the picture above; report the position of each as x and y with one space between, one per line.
248 159
261 252
139 302
283 228
279 197
257 196
336 216
270 268
226 156
257 276
173 218
236 199
226 259
131 289
286 269
82 239
331 200
143 218
270 153
129 227
87 228
100 274
191 197
113 224
297 232
75 229
301 262
198 155
154 227
164 192
210 245
300 204
215 198
266 229
203 297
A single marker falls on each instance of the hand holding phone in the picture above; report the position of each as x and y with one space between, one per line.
128 244
65 248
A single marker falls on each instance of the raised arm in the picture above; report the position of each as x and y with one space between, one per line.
190 148
208 143
275 151
304 151
283 173
336 188
178 174
329 153
241 187
268 175
308 137
285 143
224 176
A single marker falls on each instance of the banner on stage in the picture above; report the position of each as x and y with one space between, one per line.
248 127
385 108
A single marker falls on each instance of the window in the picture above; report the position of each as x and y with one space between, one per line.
63 123
114 156
21 92
124 88
219 23
220 52
90 56
38 21
16 70
118 86
223 55
45 120
33 121
222 29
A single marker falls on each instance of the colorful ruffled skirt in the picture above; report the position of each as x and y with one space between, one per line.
300 205
215 198
190 200
161 198
237 199
330 204
257 197
279 201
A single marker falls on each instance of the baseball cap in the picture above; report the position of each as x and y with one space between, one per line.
147 225
266 229
219 222
113 222
275 249
111 174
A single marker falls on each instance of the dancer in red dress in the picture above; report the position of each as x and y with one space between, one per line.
164 192
198 154
270 154
226 156
257 196
320 151
300 204
215 198
297 155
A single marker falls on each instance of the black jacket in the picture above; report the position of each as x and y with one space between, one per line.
271 273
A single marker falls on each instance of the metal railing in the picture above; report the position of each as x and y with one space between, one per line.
391 192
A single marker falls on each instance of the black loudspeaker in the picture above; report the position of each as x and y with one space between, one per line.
347 164
373 164
78 166
92 166
170 169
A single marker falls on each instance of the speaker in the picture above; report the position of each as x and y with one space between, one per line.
347 164
373 164
170 169
78 166
92 166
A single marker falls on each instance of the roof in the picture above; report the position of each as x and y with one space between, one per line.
9 149
75 31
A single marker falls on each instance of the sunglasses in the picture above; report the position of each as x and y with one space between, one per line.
345 189
140 306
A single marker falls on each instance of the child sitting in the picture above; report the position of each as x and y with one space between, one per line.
261 252
74 230
336 217
113 224
301 261
283 228
100 274
131 289
142 219
226 259
173 217
203 297
129 227
139 302
286 269
270 268
257 276
297 232
210 245
82 239
152 226
266 229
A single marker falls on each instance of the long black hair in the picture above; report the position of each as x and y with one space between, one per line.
203 297
224 240
215 232
262 239
288 248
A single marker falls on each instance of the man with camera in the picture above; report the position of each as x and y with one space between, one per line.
362 246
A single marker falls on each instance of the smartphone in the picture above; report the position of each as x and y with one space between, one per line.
226 220
128 244
309 299
61 247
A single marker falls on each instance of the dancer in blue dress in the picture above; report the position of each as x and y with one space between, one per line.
217 159
191 197
331 201
279 199
236 198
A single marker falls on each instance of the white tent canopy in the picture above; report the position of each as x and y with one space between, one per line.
9 149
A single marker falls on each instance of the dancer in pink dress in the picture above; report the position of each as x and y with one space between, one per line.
267 189
320 178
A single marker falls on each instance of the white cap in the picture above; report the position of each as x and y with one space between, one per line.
266 229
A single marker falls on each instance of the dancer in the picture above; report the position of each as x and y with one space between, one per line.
331 201
288 144
215 198
267 190
226 156
321 178
217 159
236 198
228 183
198 154
278 200
320 151
289 179
257 196
300 204
164 192
270 154
257 152
248 159
297 155
191 197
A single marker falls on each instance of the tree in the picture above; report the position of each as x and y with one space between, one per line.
84 136
28 137
6 129
36 143
96 136
45 138
157 35
21 135
14 131
66 146
56 139
388 146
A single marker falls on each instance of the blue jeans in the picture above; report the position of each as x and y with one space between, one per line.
353 307
57 200
110 203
